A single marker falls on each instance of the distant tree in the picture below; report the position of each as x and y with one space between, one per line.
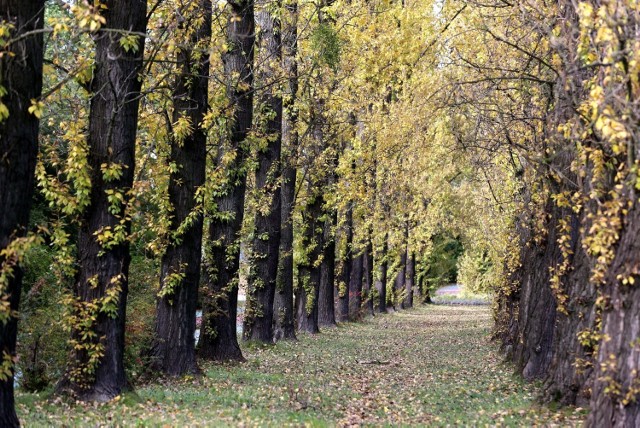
368 276
382 272
344 265
309 268
326 293
410 276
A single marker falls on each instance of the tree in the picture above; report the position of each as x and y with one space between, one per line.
410 276
218 340
326 300
174 346
344 273
96 370
258 321
382 290
369 275
309 268
283 305
20 110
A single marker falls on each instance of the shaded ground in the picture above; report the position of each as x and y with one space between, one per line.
432 365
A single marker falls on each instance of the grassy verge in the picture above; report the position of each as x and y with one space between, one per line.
431 365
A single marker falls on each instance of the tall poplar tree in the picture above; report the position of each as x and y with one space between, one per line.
96 370
218 338
283 315
174 345
344 272
20 86
261 287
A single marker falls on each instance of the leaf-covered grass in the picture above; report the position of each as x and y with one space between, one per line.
431 365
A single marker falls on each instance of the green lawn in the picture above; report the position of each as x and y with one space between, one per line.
433 365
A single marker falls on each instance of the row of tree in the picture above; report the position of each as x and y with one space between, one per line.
550 96
160 125
299 145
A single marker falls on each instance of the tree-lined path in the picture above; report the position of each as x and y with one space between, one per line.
327 160
433 365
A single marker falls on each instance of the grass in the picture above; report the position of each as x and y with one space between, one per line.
433 365
461 296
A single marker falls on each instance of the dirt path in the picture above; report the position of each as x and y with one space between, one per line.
433 365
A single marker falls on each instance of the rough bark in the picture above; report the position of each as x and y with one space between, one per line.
174 345
382 290
261 287
22 79
355 287
426 293
537 309
409 279
309 271
284 326
104 267
571 372
400 281
218 338
368 278
616 388
326 296
344 276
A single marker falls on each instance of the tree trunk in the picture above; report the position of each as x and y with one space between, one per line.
261 288
22 79
400 281
344 276
368 277
283 305
307 293
537 309
426 293
326 302
382 290
355 287
218 337
417 281
409 279
570 372
615 391
96 371
174 345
